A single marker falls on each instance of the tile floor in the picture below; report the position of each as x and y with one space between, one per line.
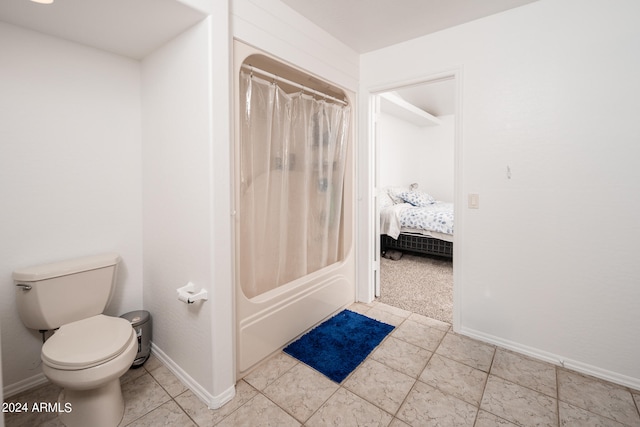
421 375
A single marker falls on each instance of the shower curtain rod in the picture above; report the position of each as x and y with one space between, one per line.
292 83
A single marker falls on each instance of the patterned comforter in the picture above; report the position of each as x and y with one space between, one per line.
436 217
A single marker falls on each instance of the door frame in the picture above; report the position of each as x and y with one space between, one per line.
369 175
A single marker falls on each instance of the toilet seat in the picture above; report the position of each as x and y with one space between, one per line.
87 343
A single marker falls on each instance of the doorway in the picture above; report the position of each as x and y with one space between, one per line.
416 144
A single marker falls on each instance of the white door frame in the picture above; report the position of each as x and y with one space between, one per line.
369 229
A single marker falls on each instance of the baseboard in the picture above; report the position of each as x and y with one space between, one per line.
555 359
614 377
212 402
24 385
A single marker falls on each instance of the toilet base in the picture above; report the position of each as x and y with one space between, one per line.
99 407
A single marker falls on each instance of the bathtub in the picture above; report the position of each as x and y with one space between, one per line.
268 321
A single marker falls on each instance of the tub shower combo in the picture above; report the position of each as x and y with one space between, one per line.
294 204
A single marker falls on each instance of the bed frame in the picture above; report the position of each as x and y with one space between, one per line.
414 243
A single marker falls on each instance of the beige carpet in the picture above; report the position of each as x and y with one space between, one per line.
419 284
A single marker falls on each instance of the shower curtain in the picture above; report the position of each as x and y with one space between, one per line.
292 166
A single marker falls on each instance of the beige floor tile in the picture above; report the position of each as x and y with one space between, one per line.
419 334
168 414
347 409
398 423
141 396
393 310
132 374
455 378
402 356
600 397
21 410
203 416
426 406
525 371
359 307
55 422
300 391
518 404
270 370
379 384
466 350
573 416
486 419
168 381
385 316
437 324
433 375
152 363
259 412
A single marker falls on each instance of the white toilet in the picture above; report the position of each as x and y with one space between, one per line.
89 352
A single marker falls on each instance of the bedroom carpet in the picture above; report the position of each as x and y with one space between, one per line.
419 284
338 345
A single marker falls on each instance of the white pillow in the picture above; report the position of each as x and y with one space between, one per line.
417 198
394 193
384 199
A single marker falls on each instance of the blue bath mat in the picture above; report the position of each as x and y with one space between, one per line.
337 346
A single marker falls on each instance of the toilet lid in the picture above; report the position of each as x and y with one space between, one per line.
87 342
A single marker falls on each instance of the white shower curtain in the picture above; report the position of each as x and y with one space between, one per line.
292 165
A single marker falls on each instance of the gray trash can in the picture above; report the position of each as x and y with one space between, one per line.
141 322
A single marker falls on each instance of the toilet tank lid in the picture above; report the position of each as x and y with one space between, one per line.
63 268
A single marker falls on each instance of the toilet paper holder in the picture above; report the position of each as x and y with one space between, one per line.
189 295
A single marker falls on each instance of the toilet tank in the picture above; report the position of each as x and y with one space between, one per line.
51 295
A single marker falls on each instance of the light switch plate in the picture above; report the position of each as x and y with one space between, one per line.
474 201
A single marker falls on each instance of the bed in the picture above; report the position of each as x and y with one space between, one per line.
412 220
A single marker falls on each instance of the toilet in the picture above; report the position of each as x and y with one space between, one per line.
89 351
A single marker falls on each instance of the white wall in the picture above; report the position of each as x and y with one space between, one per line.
69 173
399 152
1 383
105 117
413 154
177 202
274 27
186 183
548 263
187 174
222 297
437 165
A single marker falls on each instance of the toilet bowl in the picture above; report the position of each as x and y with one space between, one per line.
89 351
87 358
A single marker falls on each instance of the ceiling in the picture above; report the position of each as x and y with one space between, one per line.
366 25
132 28
135 28
437 98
